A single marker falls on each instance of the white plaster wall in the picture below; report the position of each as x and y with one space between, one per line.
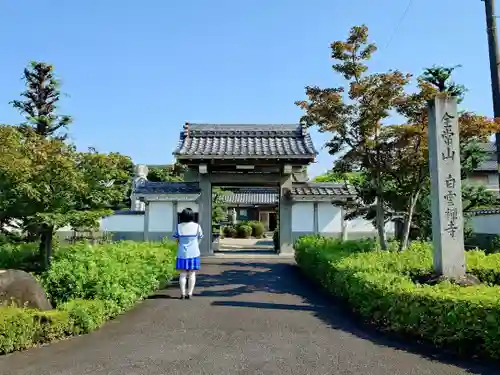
303 217
362 225
161 216
116 223
486 224
329 218
122 223
192 205
66 228
493 179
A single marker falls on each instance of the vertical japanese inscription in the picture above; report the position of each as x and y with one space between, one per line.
444 160
448 134
450 183
451 212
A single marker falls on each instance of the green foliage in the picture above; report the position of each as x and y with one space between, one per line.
485 266
257 228
23 256
440 77
393 159
41 98
168 173
219 205
46 184
339 177
380 287
473 197
229 231
24 328
86 315
121 272
495 244
244 231
353 114
88 284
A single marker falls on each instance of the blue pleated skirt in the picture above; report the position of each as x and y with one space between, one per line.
189 264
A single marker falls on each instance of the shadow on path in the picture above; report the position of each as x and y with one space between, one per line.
281 278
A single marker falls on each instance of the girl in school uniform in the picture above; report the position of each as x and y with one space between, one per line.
188 235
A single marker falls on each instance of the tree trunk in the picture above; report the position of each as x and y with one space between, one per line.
407 221
380 221
380 218
344 227
45 247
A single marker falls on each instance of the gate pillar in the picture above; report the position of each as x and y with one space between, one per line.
205 214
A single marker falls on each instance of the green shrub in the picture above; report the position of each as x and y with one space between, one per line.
120 273
379 286
257 228
86 316
23 256
17 329
89 284
229 231
244 231
23 328
483 266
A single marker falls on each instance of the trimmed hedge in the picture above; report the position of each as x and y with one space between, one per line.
257 228
229 231
24 328
380 287
89 284
244 231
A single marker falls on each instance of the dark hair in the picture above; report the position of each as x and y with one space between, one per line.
187 216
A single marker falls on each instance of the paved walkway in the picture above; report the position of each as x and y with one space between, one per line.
247 243
249 318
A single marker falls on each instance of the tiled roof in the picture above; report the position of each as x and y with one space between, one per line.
487 166
322 190
150 187
488 146
486 211
490 164
205 141
128 212
251 196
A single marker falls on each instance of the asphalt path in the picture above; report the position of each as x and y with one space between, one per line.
248 317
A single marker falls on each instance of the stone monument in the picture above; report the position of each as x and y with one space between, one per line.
140 178
232 216
446 188
23 290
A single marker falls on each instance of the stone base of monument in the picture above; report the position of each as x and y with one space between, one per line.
433 279
23 290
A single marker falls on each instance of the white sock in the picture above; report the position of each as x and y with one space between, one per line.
192 282
182 282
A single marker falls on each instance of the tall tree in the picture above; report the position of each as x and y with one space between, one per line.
40 100
407 156
47 184
354 113
406 160
339 177
169 173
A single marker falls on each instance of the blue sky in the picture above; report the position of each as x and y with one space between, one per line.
135 71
